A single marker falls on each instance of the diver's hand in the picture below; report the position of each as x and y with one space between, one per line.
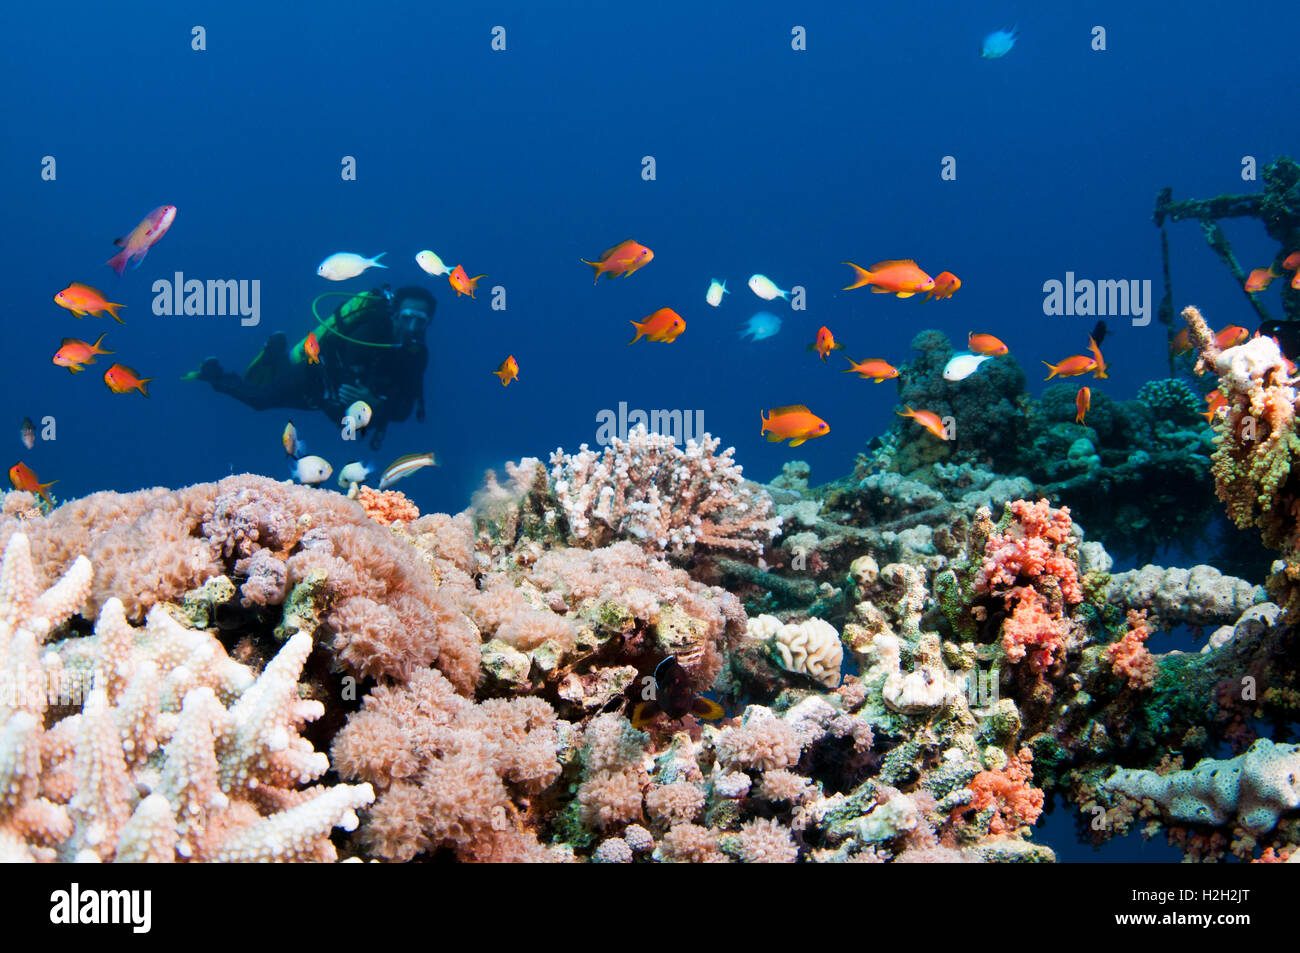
350 393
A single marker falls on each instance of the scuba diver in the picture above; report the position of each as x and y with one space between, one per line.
371 348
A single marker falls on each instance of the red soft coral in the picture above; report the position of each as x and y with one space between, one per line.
1129 657
1010 792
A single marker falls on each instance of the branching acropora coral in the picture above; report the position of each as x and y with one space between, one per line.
668 499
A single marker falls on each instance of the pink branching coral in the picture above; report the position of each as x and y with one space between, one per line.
667 499
1129 658
387 506
1031 562
451 773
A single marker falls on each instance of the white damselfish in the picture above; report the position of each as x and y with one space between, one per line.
765 288
311 470
431 264
716 290
344 265
963 365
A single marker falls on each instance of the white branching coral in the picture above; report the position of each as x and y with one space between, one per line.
167 749
669 499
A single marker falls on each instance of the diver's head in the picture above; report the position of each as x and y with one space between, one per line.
414 307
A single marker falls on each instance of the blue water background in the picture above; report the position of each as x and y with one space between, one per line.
517 163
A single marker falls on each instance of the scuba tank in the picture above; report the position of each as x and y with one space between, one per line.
343 321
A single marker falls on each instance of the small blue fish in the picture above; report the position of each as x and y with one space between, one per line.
760 326
999 43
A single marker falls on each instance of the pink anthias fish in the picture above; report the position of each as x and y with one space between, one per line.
136 245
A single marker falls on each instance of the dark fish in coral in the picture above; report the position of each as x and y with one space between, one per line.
1099 332
674 696
28 433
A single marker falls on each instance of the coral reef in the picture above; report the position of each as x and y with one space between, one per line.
668 499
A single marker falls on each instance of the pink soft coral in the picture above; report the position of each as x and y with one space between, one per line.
1129 657
1010 792
387 506
453 774
1031 563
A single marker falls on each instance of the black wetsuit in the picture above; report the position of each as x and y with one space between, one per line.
395 374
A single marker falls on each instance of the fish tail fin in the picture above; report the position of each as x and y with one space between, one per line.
142 383
376 262
110 307
706 709
644 713
910 411
763 425
640 331
100 341
118 262
597 266
1054 370
44 490
862 276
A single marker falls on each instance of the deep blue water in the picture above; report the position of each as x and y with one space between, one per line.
518 163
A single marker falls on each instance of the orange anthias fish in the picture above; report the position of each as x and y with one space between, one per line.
1072 366
75 355
1181 343
121 379
945 286
796 423
825 342
662 327
21 477
1231 336
143 237
462 282
1100 369
927 419
899 277
508 371
1213 401
82 299
873 367
1260 278
1082 401
1292 261
985 344
311 347
621 260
